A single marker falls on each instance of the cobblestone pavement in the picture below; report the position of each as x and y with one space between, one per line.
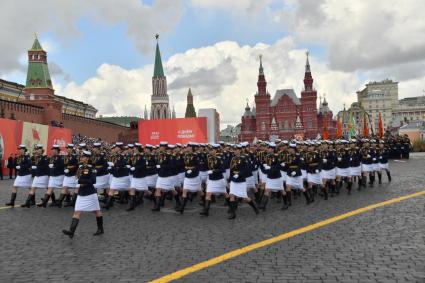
383 245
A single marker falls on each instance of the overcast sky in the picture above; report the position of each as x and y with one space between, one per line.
102 51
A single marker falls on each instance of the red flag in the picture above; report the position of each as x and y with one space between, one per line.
339 128
381 127
365 127
325 128
35 134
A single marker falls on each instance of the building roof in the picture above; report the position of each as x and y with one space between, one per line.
70 100
36 46
414 125
324 108
158 70
281 92
38 75
4 82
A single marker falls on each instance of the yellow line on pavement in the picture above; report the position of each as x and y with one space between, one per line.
5 207
216 260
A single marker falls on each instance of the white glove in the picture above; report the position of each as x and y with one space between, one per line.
264 165
339 158
80 166
267 167
236 176
51 165
147 163
128 166
109 168
380 157
189 171
111 164
33 167
210 172
282 164
158 166
374 159
66 171
368 156
302 159
317 170
18 167
325 160
132 168
293 173
351 159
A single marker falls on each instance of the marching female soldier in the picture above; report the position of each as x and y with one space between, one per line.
274 181
151 170
56 176
294 179
70 179
343 166
40 170
192 180
138 181
355 162
100 164
87 199
367 166
383 154
23 180
216 183
238 173
314 166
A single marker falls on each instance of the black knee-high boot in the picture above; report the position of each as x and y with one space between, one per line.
325 191
379 178
263 204
178 203
349 186
285 201
72 229
27 203
371 179
157 206
205 211
364 180
338 186
307 198
12 199
311 194
32 202
132 203
180 207
162 199
45 201
99 222
60 200
53 198
232 206
289 197
254 207
332 189
388 175
359 180
109 202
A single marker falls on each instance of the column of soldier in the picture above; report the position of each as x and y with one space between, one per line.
252 173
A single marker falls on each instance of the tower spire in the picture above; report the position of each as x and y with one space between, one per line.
190 109
158 70
261 83
307 63
261 71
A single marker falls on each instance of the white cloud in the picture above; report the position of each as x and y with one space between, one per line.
20 21
222 76
250 6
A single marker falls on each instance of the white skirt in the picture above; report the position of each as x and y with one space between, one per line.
70 181
367 168
250 182
343 172
314 178
255 174
165 183
192 184
23 181
204 176
283 173
328 174
151 180
121 183
139 184
56 181
87 203
263 177
376 167
238 189
180 176
356 171
274 184
227 173
40 182
383 166
304 174
102 182
216 186
295 182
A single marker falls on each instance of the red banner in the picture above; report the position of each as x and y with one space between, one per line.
59 136
10 138
182 130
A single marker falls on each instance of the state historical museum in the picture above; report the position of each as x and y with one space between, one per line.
286 116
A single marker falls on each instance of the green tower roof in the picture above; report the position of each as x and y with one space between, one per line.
38 75
158 70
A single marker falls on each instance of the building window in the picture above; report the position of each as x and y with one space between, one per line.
286 125
263 126
309 123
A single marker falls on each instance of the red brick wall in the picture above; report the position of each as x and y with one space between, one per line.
21 111
93 128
